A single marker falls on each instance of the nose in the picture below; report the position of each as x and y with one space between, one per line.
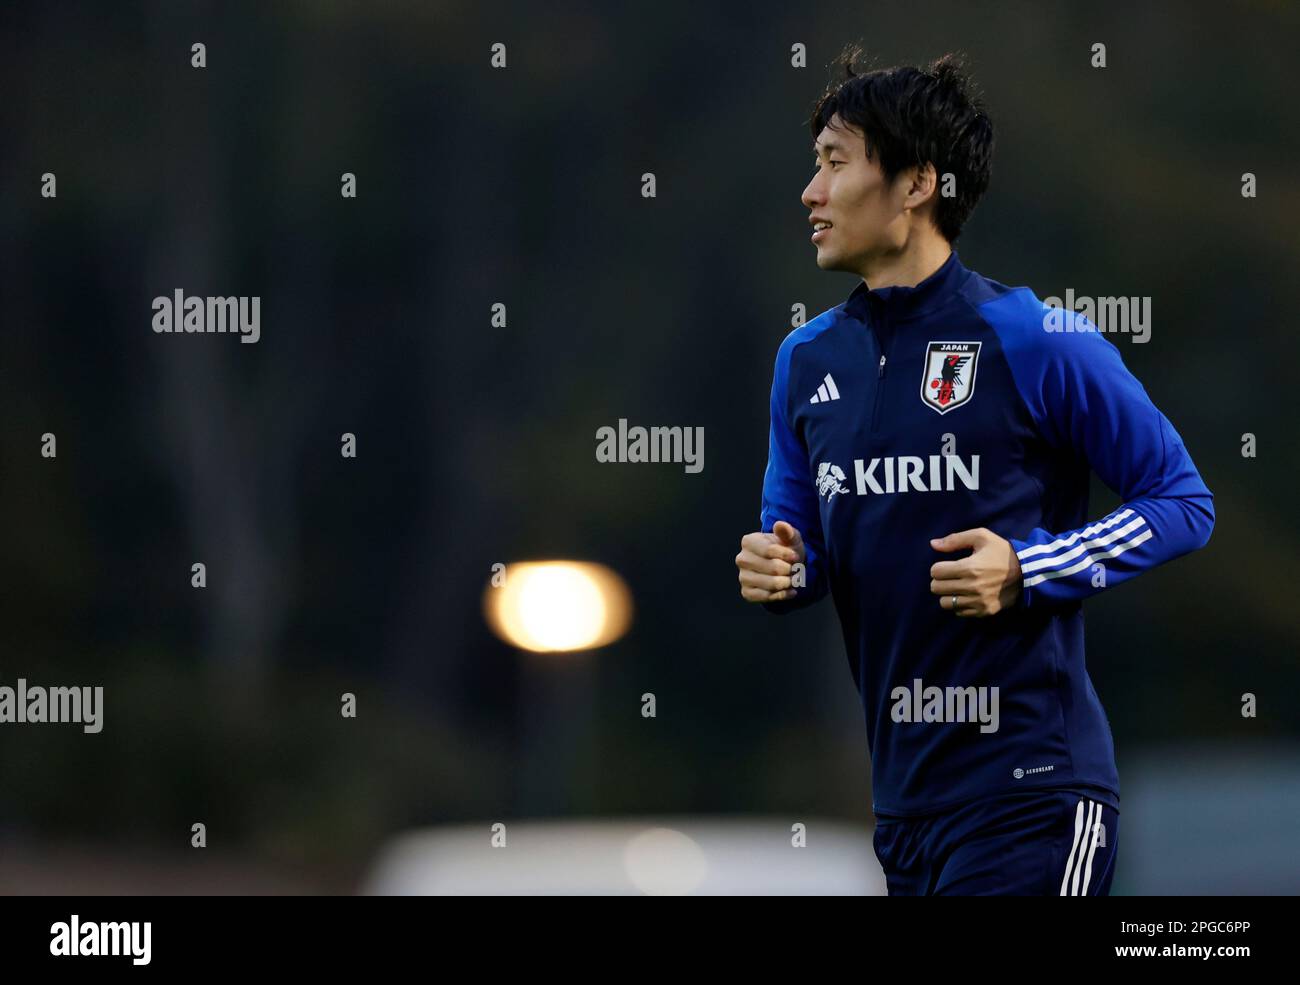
813 195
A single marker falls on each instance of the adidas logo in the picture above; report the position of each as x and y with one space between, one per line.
827 391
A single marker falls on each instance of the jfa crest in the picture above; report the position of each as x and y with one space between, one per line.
949 378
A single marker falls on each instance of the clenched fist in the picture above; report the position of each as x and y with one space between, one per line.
765 562
983 583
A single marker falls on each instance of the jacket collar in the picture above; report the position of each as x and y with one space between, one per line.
899 302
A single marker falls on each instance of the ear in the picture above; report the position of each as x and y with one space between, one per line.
921 183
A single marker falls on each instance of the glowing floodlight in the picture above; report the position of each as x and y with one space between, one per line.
555 606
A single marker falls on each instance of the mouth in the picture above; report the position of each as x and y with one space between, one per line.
820 231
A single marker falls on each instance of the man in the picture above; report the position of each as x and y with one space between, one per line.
929 456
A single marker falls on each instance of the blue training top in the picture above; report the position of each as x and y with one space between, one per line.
910 413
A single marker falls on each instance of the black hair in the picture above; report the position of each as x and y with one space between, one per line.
911 116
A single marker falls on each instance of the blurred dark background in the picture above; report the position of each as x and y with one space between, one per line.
476 443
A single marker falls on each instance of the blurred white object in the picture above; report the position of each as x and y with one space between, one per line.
558 606
654 856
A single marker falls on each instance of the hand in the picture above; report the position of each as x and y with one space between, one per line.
765 562
985 582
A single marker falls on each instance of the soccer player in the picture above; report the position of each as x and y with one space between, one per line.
928 466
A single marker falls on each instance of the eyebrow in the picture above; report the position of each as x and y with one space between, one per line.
830 145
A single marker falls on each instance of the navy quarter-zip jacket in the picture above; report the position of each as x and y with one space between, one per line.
909 413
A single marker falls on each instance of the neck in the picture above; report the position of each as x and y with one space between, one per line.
917 260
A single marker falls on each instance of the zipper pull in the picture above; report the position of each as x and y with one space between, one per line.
882 366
